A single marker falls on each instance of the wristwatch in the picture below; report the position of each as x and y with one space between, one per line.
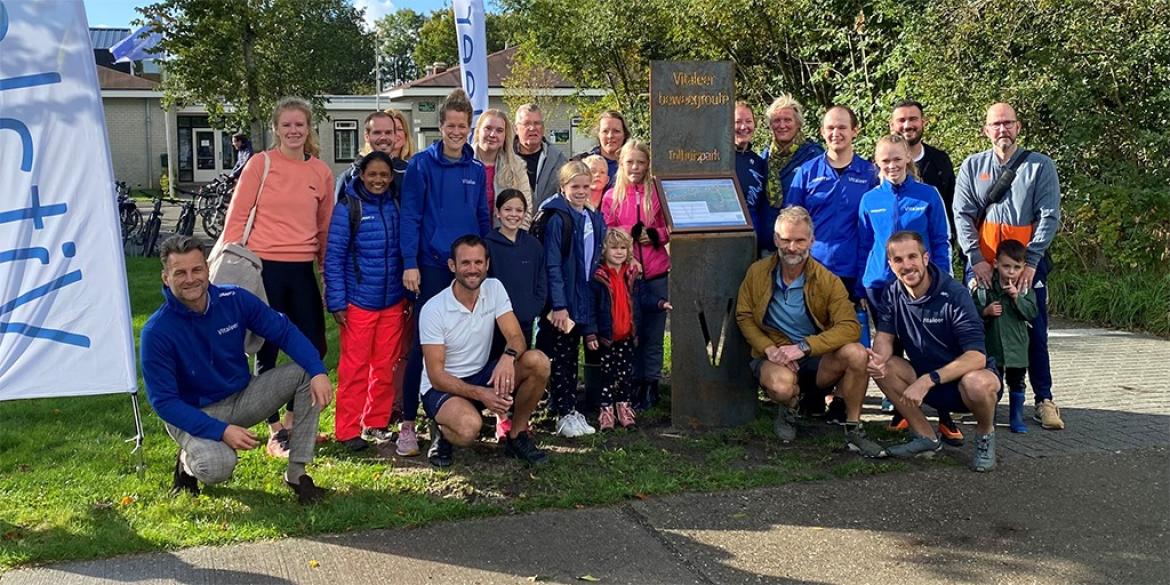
511 352
804 346
935 378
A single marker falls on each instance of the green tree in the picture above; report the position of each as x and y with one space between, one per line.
398 35
437 42
237 59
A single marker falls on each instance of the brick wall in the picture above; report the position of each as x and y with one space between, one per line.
137 136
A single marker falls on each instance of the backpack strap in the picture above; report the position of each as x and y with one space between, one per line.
259 192
354 205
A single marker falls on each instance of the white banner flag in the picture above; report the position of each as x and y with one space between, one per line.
471 35
64 309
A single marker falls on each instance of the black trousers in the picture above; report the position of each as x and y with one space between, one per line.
292 289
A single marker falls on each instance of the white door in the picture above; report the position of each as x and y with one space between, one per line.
207 146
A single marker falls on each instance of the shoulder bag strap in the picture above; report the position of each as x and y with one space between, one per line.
252 213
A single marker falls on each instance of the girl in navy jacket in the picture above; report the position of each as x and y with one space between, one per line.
364 292
569 311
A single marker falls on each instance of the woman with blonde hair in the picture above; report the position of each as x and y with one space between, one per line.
493 142
292 192
633 206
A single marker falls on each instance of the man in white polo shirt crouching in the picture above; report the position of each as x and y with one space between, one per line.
458 381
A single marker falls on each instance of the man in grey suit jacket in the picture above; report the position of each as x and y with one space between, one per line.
543 160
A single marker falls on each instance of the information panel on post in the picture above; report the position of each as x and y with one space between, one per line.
701 204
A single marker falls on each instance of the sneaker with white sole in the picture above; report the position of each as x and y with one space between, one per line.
1048 415
857 441
567 426
407 440
585 426
377 436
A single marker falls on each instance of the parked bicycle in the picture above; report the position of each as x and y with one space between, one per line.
216 196
128 213
186 223
148 237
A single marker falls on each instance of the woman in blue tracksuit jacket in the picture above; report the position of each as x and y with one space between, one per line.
442 199
364 292
900 202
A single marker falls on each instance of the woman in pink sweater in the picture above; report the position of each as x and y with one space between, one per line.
632 205
288 234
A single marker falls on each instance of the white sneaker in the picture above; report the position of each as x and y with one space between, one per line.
567 426
586 429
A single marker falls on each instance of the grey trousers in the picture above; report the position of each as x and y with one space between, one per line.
213 461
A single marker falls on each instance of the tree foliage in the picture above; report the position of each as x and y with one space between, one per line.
398 35
437 40
237 59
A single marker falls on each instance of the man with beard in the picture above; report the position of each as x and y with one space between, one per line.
946 364
455 330
380 136
796 315
934 166
1026 209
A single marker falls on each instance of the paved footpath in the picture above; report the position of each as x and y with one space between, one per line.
1090 504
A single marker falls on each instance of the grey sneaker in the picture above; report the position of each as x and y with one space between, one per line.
783 425
917 446
378 436
856 441
984 452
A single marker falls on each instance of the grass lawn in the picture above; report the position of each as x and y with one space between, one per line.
68 487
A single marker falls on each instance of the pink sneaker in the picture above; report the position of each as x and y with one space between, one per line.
503 426
407 441
625 415
605 419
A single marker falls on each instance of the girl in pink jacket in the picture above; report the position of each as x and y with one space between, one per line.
632 204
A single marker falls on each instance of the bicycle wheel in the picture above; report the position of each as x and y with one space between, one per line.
150 237
187 222
131 220
213 222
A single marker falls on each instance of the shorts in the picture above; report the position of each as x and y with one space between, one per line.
433 400
806 376
947 398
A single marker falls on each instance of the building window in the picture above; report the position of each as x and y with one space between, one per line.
345 140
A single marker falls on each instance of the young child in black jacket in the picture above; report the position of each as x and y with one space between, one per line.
616 312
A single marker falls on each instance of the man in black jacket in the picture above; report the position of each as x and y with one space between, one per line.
934 165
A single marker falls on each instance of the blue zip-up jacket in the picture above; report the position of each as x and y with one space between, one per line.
833 200
890 208
520 267
568 286
191 360
936 328
441 200
767 213
377 251
752 172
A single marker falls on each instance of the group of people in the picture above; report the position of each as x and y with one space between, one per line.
882 244
465 279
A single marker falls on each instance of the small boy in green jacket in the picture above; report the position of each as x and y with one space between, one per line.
1007 313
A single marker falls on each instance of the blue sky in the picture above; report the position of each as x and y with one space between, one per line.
119 13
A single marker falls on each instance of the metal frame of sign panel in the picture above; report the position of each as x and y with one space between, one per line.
661 192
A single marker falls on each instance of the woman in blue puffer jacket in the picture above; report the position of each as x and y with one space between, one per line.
364 292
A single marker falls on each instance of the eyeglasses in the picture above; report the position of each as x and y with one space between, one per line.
1002 124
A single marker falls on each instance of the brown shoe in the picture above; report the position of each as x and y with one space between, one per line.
1048 415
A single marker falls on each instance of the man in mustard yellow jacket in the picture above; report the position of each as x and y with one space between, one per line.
796 315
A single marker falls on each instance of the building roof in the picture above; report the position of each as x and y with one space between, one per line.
499 65
112 79
104 38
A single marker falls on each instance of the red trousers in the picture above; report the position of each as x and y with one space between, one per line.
371 343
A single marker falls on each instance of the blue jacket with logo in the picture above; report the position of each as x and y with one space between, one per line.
833 199
191 360
752 171
374 248
441 200
767 212
936 328
890 208
568 284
